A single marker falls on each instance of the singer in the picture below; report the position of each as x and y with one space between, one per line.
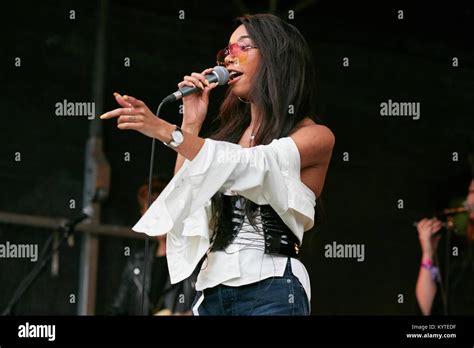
241 200
431 283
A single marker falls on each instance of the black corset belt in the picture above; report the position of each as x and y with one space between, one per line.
279 239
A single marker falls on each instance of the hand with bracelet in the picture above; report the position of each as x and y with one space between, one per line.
429 273
427 229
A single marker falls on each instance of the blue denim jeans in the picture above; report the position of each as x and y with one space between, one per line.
272 296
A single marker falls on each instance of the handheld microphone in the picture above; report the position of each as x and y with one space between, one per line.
219 74
465 208
454 211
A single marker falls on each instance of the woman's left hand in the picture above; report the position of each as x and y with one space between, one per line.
134 114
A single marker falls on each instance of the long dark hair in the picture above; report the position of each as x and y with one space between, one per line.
282 90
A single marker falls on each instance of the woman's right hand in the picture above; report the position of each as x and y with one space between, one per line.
195 105
426 229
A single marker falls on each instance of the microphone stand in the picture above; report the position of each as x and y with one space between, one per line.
67 230
449 229
444 280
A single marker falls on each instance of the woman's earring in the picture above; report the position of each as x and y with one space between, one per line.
243 100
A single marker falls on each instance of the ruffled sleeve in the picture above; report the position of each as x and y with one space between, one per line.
265 174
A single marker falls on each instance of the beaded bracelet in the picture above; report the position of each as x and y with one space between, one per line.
434 270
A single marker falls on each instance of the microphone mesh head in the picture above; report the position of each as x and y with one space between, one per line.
222 74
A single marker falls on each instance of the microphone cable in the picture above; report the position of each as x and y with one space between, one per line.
147 239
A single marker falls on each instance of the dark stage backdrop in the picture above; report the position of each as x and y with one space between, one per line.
386 172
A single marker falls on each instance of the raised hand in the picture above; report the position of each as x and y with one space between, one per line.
134 114
426 229
195 105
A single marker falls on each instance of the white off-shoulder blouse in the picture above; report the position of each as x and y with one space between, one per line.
264 174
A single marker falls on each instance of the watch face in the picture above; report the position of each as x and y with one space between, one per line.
178 137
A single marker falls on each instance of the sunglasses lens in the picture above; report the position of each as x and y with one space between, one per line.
235 50
221 56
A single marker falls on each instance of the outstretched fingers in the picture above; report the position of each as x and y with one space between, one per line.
133 101
131 125
129 105
121 111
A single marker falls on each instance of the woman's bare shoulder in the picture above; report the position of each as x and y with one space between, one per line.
307 127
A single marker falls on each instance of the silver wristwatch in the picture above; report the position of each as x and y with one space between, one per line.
177 137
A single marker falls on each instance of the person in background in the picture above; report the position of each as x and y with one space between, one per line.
430 285
161 298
